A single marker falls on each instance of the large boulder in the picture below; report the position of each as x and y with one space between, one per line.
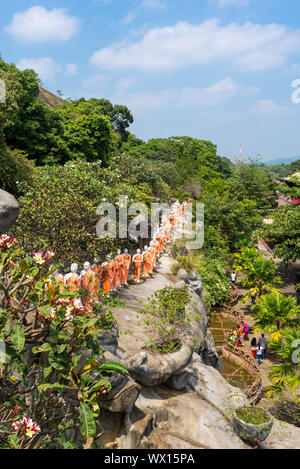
9 211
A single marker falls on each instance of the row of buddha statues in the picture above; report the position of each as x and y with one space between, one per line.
113 273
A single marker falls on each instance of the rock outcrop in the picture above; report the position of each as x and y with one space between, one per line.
9 211
177 400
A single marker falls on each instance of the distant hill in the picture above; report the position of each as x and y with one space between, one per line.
281 161
49 98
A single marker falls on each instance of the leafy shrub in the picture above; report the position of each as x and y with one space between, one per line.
65 221
165 316
252 415
58 210
216 284
183 262
15 170
51 377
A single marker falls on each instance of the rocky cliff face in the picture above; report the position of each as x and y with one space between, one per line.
177 400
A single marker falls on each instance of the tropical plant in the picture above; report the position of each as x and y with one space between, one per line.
164 317
283 234
215 281
259 273
244 259
285 376
52 371
275 312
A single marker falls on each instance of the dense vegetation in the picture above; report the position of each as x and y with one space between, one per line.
61 162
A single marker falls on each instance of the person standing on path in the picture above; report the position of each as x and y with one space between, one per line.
263 344
259 354
233 278
254 347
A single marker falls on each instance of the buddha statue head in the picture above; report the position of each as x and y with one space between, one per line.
74 268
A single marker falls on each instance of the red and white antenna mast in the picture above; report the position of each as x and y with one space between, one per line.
241 151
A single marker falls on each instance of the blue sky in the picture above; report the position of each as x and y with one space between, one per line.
214 69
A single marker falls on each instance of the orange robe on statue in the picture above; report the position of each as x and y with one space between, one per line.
106 278
60 279
119 264
126 267
138 261
152 253
156 247
98 269
112 269
147 263
73 282
88 282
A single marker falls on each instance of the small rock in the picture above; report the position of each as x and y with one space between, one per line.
182 275
9 211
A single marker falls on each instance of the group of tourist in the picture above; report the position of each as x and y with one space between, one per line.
259 349
113 273
239 335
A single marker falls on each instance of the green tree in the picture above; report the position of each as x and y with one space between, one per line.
275 312
285 375
251 181
284 234
259 275
30 125
87 133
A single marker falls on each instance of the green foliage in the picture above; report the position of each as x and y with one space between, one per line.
259 273
87 133
52 356
284 234
58 210
62 220
164 317
182 262
15 170
285 375
30 125
251 182
252 415
216 283
91 130
276 311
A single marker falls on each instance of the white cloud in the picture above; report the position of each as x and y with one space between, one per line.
210 96
128 18
45 67
71 70
156 4
95 82
126 82
37 24
250 46
268 107
226 3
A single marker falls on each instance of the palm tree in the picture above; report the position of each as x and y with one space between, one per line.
276 312
260 273
245 258
285 376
